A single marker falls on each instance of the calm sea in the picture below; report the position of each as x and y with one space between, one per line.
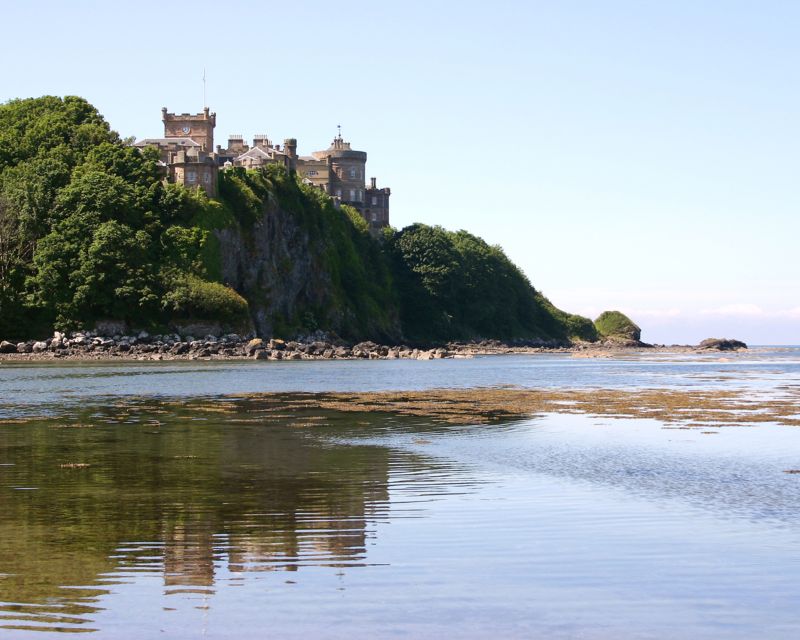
146 500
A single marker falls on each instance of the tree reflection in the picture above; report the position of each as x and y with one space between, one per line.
185 490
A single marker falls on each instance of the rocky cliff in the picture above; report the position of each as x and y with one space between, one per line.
302 264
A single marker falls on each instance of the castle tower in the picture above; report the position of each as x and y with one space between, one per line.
376 205
199 127
348 167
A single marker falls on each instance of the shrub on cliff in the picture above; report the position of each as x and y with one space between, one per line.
192 298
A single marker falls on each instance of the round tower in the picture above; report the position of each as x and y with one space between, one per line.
347 171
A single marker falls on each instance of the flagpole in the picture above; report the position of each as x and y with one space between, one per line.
204 87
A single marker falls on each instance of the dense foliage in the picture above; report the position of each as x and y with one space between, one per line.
455 285
89 230
615 324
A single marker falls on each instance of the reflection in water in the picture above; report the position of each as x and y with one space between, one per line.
107 494
221 516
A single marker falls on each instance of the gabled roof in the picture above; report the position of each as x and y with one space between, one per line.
254 152
260 153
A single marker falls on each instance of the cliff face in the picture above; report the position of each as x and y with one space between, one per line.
303 265
277 268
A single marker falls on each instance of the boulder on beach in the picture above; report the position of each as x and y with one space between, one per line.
7 347
721 344
254 345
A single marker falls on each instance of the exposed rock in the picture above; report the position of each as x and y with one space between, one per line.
39 346
365 346
253 345
180 348
278 345
7 347
721 344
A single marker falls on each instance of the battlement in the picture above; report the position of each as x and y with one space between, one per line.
206 115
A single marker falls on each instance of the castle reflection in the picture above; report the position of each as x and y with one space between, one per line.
184 491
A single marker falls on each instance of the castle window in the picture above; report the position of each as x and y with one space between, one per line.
353 195
352 172
191 176
312 173
338 193
374 200
207 177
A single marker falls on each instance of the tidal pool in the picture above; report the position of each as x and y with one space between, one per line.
183 510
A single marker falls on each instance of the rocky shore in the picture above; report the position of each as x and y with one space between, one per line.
320 346
143 346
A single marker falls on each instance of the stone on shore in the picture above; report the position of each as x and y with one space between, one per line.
39 346
7 347
251 347
721 344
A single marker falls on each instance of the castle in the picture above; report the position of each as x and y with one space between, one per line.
189 158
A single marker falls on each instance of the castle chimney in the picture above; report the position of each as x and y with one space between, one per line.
235 143
373 182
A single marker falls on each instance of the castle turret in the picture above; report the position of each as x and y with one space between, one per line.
347 171
290 149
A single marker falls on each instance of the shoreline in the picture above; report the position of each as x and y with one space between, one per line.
103 349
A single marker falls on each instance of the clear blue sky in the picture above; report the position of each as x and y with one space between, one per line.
639 155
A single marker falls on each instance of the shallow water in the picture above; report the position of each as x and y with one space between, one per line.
226 517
